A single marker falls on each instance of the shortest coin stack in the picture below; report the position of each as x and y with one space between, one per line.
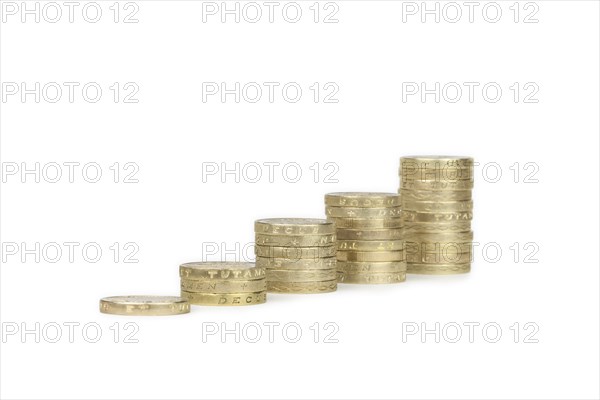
144 305
298 254
222 283
369 236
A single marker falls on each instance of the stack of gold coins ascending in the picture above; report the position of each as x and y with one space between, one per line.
298 254
369 229
437 209
222 283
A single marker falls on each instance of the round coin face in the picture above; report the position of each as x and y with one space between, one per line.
144 305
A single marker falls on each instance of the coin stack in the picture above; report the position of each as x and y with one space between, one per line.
369 236
298 254
437 209
222 283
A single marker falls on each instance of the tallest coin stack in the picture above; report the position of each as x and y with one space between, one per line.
437 209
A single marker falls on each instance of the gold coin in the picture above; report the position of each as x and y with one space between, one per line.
295 240
442 175
225 299
356 212
144 305
294 253
208 270
370 245
303 263
438 206
438 258
312 275
380 266
415 216
302 287
372 277
224 286
362 199
438 269
371 255
293 226
371 234
355 223
431 237
436 185
436 227
430 195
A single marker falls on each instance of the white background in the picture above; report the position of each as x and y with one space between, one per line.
171 213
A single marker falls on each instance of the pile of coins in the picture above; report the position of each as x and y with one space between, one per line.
298 254
222 283
437 209
369 236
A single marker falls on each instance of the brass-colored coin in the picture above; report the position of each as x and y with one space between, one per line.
438 206
357 212
436 185
144 305
295 240
431 237
302 264
442 175
414 247
293 226
355 223
436 227
224 286
302 287
371 255
372 277
369 234
370 245
414 216
439 258
294 253
312 275
209 270
438 269
362 199
377 267
225 299
431 195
